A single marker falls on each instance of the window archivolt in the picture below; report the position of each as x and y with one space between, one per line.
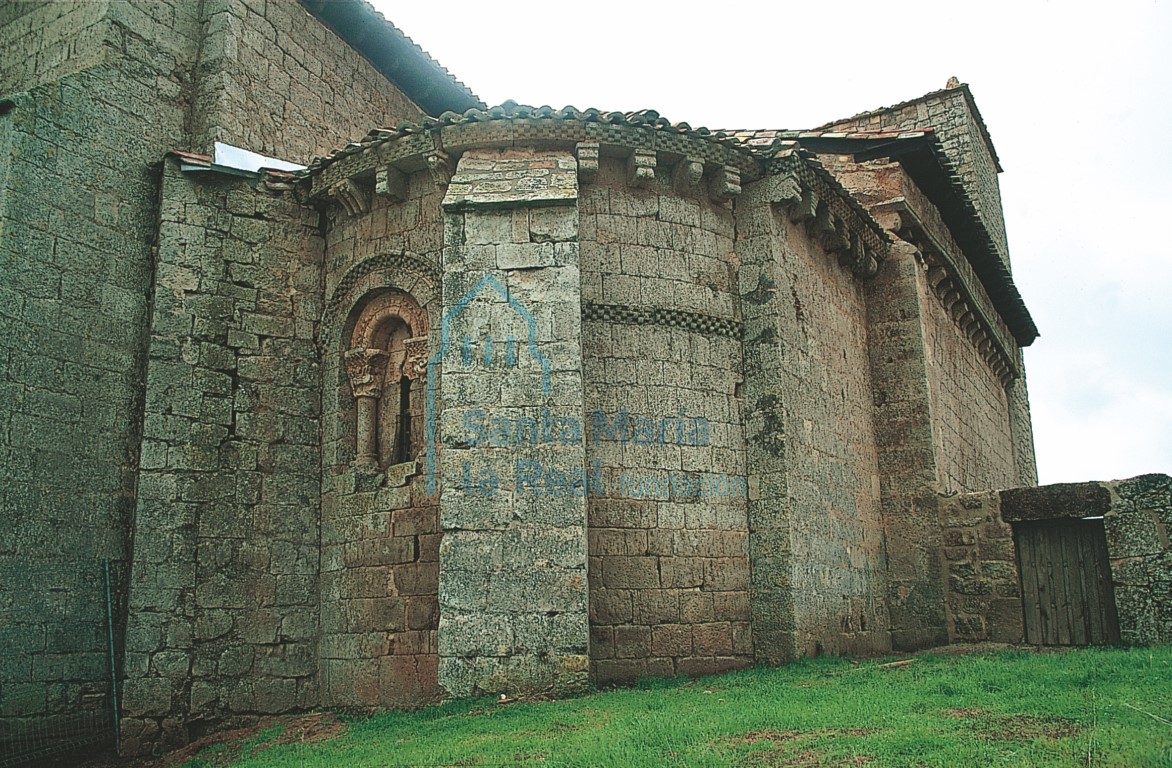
387 363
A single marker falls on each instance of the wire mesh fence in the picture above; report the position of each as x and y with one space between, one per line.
44 740
59 636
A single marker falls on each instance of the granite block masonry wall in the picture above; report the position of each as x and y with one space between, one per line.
980 427
49 40
971 415
92 96
669 568
223 621
275 80
769 516
1139 542
1021 427
814 515
979 570
380 529
85 116
905 441
512 591
837 534
944 420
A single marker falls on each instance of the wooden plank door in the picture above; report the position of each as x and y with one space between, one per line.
1066 583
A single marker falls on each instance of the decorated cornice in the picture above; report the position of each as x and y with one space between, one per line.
645 137
956 287
814 197
700 162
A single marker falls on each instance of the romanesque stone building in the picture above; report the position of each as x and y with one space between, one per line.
482 400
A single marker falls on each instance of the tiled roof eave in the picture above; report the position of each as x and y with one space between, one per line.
929 166
644 119
389 50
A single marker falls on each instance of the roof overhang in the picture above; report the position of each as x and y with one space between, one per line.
922 157
396 56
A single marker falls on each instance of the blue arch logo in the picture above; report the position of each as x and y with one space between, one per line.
488 356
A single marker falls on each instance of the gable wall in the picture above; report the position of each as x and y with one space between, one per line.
956 126
79 148
275 80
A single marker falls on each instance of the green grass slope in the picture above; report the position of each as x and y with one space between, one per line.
1096 707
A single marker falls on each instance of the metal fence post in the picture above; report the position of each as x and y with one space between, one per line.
113 664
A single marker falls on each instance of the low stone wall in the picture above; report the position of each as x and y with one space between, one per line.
982 591
983 598
1138 526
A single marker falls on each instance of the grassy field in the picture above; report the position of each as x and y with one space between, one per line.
1096 707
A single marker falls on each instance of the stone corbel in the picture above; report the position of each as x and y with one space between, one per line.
686 176
936 276
830 230
587 152
872 267
415 366
862 261
641 168
806 206
391 183
725 184
968 322
785 191
960 309
439 165
351 196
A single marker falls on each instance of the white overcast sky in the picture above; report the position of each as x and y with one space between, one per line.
1077 97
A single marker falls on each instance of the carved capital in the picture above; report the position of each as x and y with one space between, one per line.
415 366
367 369
587 152
351 196
641 168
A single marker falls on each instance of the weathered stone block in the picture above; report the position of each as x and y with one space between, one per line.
631 572
1049 502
